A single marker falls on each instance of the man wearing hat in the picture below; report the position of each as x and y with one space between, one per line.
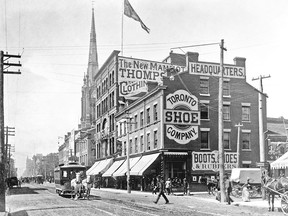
161 187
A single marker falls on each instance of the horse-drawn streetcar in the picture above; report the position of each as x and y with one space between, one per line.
64 174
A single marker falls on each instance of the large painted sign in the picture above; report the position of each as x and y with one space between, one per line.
210 160
181 117
213 69
134 74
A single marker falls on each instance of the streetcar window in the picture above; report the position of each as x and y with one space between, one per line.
64 174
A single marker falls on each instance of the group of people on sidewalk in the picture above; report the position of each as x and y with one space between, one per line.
228 189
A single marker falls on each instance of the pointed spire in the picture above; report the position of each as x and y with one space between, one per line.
93 56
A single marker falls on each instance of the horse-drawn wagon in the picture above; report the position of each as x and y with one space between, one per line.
242 176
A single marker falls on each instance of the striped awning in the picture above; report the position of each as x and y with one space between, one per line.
280 163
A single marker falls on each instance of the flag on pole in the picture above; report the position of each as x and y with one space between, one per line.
130 12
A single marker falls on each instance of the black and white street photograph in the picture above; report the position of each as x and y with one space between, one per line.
143 108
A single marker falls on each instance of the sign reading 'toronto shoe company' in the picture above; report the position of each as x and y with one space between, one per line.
181 117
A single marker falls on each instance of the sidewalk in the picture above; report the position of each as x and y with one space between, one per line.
255 202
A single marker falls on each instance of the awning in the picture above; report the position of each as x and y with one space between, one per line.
144 162
280 163
123 168
91 168
102 166
175 153
113 168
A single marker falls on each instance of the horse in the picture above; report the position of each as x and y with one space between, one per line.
87 185
77 186
274 187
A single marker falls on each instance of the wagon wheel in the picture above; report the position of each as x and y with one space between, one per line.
284 203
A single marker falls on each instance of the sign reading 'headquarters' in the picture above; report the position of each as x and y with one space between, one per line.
213 69
181 117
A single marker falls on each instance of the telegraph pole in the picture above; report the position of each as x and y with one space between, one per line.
261 131
220 122
4 62
238 144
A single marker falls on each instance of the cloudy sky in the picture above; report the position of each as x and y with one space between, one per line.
43 103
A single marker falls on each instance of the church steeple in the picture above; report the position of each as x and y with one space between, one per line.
93 56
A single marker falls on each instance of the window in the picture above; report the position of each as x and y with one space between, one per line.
246 140
112 77
155 139
155 112
204 86
148 141
204 139
136 144
226 88
135 122
125 148
141 119
124 125
245 113
130 150
148 115
113 100
120 127
226 112
226 140
130 124
141 143
204 111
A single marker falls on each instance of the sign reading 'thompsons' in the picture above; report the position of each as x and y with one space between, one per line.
181 117
133 75
213 69
210 160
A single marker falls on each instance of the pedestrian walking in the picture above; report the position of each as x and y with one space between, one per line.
185 186
245 191
168 185
161 188
228 190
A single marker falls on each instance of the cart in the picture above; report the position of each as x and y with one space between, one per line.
239 177
282 192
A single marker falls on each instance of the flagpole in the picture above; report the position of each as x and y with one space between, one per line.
122 25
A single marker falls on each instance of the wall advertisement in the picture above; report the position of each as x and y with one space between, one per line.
213 69
210 160
133 75
181 117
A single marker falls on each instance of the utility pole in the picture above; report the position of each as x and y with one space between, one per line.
220 122
4 62
261 131
10 131
238 144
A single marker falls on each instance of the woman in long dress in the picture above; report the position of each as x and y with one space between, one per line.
245 191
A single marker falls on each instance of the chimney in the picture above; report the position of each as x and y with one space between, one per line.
239 61
191 57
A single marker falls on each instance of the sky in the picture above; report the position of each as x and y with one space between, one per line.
52 37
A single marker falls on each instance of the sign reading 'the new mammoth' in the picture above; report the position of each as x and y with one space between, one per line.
181 117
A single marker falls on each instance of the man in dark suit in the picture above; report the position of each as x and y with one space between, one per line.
161 187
